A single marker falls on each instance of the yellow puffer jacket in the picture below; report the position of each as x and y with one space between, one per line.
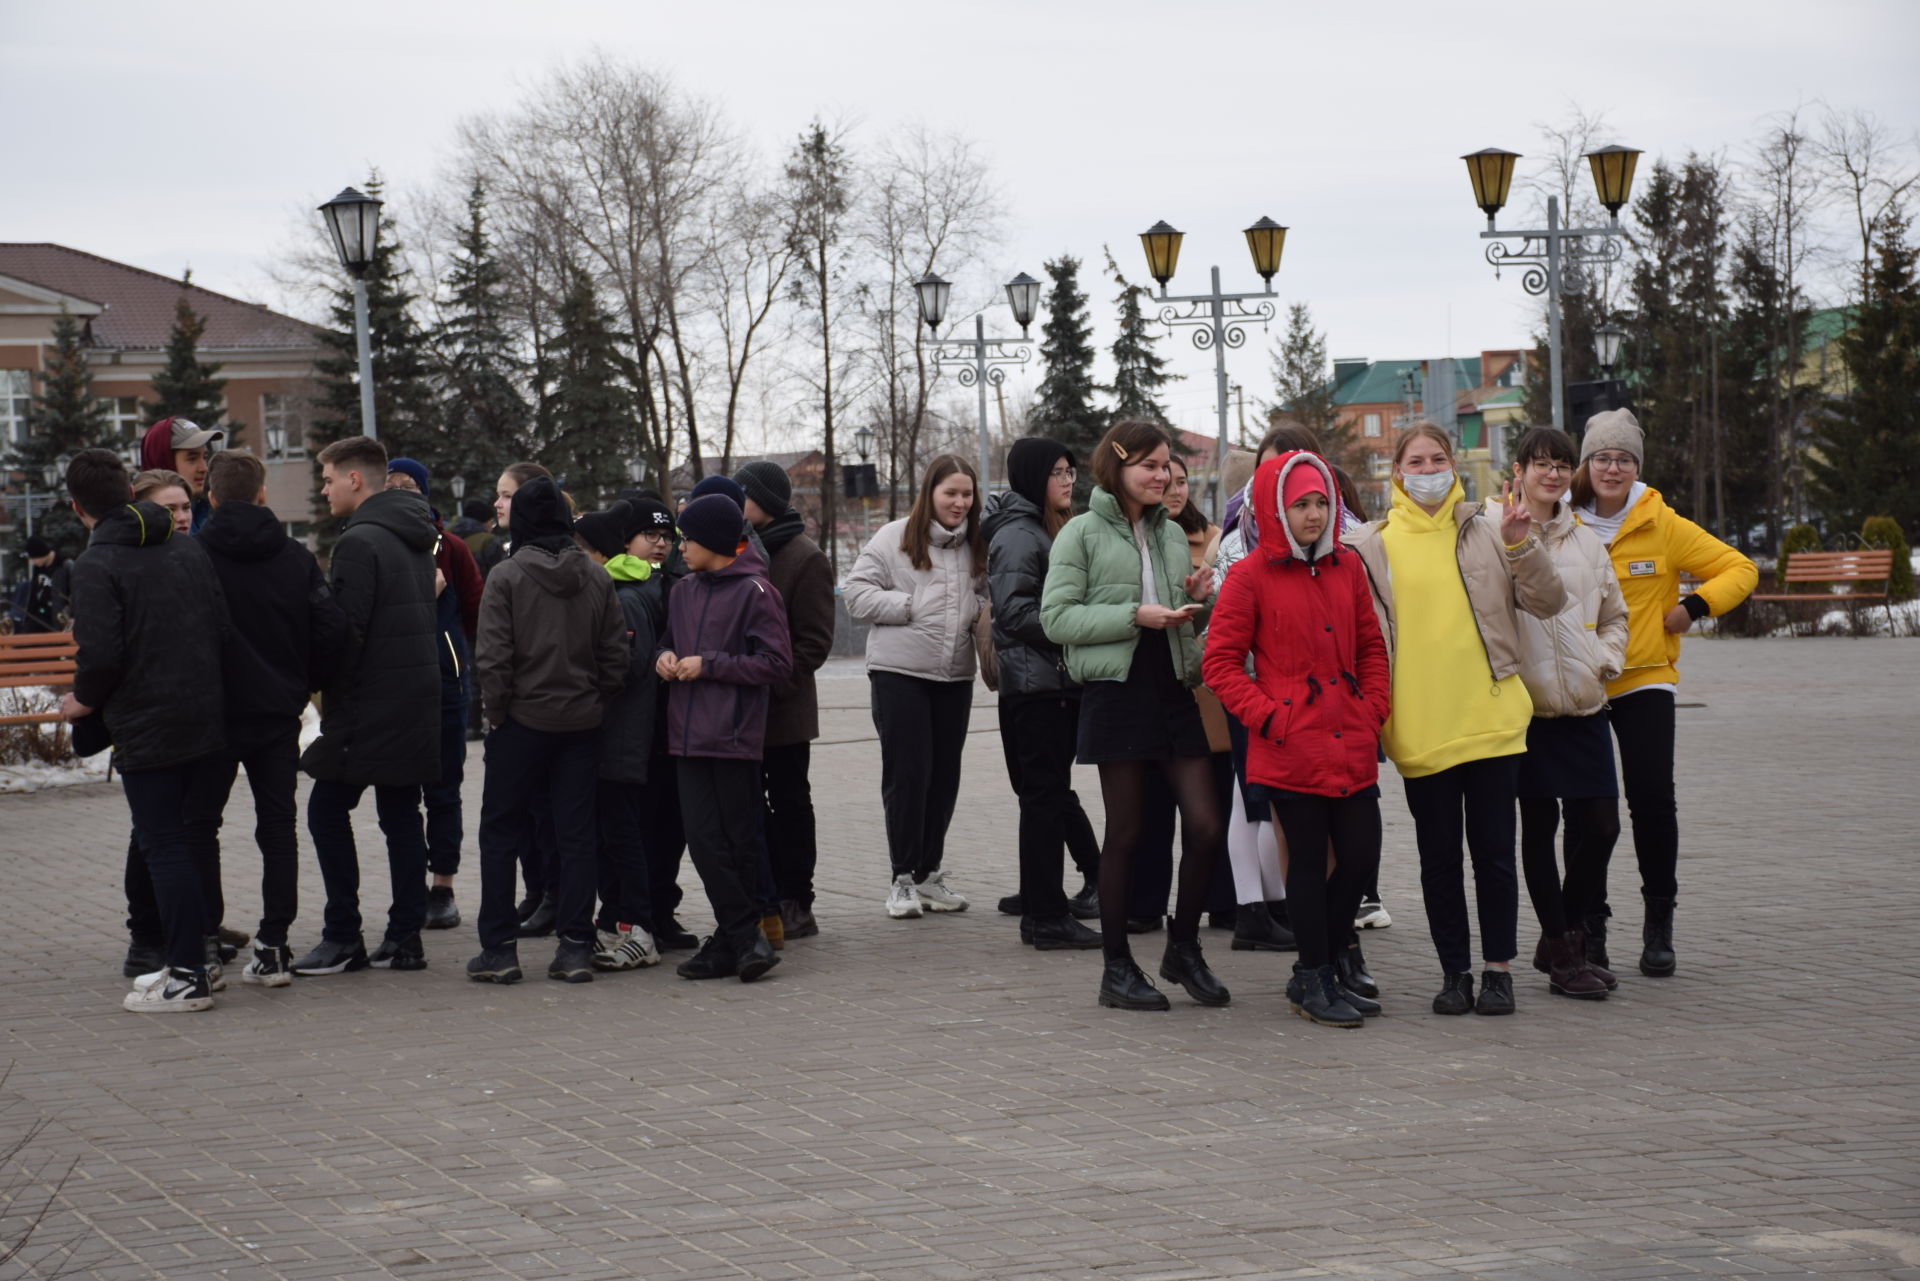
1654 547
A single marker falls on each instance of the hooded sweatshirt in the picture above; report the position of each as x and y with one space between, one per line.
552 649
1447 709
736 622
156 454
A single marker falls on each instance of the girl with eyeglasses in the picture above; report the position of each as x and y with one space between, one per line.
1651 546
1566 662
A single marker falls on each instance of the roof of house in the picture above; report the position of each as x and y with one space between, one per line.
1826 324
140 304
1380 383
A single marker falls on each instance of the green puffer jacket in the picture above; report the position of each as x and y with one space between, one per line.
1093 589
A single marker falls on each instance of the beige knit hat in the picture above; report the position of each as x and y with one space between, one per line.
1614 429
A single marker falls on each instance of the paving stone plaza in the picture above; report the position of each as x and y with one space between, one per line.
928 1099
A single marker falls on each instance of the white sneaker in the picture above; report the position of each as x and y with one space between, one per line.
1372 916
903 900
166 992
270 966
627 948
936 897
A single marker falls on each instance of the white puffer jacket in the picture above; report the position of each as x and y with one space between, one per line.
922 618
1567 660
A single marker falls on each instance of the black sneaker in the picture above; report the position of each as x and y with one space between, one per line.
399 954
1456 997
714 960
1012 905
1058 935
1085 906
271 966
495 965
333 956
143 958
572 962
671 936
442 912
1496 993
756 959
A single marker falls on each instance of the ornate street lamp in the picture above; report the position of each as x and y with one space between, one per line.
1023 295
933 292
1492 173
1606 346
863 443
635 470
459 487
980 358
1265 240
1613 176
1162 244
353 220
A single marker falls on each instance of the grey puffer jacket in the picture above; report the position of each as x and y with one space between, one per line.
922 618
1017 550
1567 660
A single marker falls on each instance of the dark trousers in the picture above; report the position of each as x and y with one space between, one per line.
1643 726
1123 791
443 798
157 800
273 768
330 823
720 805
664 837
1475 800
1321 906
144 926
791 847
1593 825
1037 736
530 771
625 897
923 731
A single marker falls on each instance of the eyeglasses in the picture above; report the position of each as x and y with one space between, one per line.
1551 466
1615 462
1061 473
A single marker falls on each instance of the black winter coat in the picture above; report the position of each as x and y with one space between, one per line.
626 734
151 624
1017 551
380 715
288 631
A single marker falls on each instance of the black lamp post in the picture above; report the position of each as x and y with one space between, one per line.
353 220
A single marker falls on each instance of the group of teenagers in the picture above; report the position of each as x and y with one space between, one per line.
1251 678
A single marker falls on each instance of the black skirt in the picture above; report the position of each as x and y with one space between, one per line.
1568 758
1150 716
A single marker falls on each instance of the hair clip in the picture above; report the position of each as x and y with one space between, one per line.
1117 448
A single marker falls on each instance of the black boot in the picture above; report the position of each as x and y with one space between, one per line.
1350 968
1255 930
442 912
1124 987
1085 906
1013 905
754 957
1656 956
1183 964
540 923
1596 926
1060 934
1316 997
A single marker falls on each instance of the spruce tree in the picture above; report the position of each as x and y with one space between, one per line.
1868 460
1063 406
486 418
405 408
188 387
64 419
1138 370
1303 387
585 397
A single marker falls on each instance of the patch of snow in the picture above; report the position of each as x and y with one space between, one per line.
37 776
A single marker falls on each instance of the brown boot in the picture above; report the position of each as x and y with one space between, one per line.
1605 975
1569 974
775 929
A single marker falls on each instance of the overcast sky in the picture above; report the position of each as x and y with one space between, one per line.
192 134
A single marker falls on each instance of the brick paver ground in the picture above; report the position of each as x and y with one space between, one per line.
926 1099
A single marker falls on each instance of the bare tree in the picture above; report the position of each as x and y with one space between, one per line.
1787 189
1869 172
750 258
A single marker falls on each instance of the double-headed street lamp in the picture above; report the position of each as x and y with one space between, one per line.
1217 315
1551 253
353 219
980 358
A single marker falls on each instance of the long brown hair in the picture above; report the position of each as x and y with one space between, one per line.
1191 519
1285 437
1126 440
916 540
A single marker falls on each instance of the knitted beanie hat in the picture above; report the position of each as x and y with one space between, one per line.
767 484
714 521
1614 429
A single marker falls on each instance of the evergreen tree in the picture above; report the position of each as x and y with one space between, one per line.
405 408
1063 406
1303 388
585 397
486 418
1868 461
188 387
1138 370
64 419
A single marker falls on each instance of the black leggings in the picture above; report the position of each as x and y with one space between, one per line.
1321 905
1123 790
1593 825
1643 724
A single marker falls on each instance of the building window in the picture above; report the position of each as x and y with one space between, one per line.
1380 465
281 429
16 402
125 416
1373 424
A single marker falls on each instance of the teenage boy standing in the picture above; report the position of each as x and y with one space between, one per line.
180 445
726 644
287 634
380 715
137 592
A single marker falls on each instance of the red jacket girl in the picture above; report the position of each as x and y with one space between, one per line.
1319 690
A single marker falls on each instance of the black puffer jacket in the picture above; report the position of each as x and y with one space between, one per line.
151 624
1017 550
626 735
380 715
288 631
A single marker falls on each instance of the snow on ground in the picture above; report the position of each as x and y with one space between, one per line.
35 776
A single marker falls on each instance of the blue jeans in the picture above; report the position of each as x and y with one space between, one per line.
330 823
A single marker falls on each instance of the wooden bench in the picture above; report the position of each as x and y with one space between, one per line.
1825 568
29 659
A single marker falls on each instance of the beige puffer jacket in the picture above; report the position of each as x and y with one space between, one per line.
1567 660
922 618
